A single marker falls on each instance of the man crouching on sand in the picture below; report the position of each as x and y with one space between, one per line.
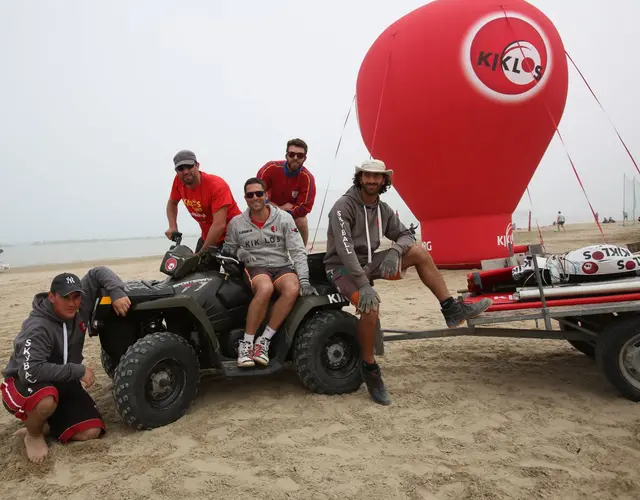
42 380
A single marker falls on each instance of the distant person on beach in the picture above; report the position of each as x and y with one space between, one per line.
207 197
41 383
413 228
290 185
560 221
267 240
357 223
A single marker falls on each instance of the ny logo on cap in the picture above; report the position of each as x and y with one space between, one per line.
70 279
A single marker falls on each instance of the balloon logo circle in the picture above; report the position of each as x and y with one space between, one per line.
170 264
590 268
506 58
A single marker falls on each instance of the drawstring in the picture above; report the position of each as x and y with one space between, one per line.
366 226
66 343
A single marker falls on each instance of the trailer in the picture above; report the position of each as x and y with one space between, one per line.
607 330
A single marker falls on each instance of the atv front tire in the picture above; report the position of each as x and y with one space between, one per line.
156 380
326 353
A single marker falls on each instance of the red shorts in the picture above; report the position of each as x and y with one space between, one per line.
345 283
76 411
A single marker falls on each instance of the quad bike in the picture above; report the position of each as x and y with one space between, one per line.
193 320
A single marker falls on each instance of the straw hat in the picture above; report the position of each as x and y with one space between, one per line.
374 167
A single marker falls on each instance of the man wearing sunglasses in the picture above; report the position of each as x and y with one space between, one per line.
291 186
266 239
358 221
207 197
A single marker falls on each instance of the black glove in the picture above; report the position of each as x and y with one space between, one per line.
369 299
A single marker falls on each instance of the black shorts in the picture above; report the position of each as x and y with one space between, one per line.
275 273
76 411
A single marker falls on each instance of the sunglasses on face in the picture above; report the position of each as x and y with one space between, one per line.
184 167
292 155
257 194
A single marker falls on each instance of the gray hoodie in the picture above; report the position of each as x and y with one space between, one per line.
356 230
39 349
273 245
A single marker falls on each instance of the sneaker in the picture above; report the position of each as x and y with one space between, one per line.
375 386
261 351
459 312
245 353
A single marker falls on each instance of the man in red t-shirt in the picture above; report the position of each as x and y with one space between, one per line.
291 186
207 197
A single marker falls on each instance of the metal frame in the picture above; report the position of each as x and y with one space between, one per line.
476 325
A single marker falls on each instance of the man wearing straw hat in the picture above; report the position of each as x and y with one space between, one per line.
357 223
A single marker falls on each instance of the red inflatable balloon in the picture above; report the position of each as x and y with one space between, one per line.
461 98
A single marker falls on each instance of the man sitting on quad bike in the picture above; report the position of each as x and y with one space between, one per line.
42 379
262 238
357 223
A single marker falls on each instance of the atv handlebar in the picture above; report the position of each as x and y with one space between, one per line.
176 237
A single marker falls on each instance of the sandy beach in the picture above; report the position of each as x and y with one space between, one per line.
472 418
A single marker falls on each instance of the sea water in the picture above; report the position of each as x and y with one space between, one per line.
62 252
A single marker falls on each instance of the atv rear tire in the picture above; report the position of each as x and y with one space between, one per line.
108 363
326 353
156 380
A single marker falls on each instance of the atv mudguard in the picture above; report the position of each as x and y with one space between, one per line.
208 337
304 307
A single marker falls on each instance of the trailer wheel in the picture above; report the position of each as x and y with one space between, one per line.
584 346
618 355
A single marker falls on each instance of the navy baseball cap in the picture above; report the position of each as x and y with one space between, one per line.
66 283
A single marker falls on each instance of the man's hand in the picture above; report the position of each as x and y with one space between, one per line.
89 378
306 289
287 206
121 306
169 232
369 299
390 266
245 256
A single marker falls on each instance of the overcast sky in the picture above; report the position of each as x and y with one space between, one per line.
96 98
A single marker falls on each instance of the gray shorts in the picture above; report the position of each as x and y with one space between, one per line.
346 285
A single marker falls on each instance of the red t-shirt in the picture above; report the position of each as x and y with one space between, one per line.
297 188
207 198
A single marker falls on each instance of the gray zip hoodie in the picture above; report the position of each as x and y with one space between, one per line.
39 349
273 245
356 230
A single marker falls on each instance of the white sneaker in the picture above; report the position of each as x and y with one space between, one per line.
245 353
261 351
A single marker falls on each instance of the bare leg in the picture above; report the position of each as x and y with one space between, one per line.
93 433
303 226
262 291
288 287
367 335
430 275
36 446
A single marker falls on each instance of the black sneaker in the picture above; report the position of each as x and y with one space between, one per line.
375 386
458 312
